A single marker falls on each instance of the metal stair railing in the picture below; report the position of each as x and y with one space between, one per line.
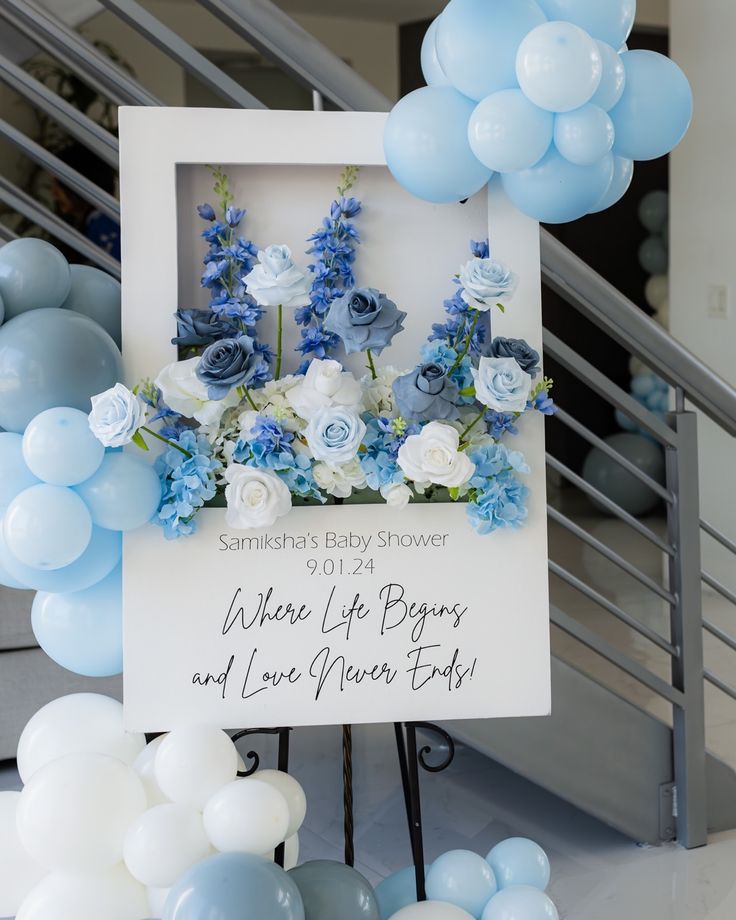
267 28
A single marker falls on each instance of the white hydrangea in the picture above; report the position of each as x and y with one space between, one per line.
339 480
378 394
271 400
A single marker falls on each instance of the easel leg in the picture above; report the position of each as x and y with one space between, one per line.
347 785
283 765
406 746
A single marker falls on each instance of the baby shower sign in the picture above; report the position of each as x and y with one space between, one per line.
336 615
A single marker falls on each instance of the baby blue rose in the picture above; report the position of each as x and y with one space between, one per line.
228 363
334 435
485 282
276 280
364 319
501 384
426 393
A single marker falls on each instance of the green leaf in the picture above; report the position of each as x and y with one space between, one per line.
139 441
501 307
454 494
468 391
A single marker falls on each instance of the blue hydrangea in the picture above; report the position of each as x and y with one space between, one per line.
498 497
379 451
187 483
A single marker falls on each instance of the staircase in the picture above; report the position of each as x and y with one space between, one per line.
666 785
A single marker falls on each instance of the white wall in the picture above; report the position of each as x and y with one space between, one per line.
703 231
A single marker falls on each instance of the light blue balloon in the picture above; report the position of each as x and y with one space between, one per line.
59 447
427 149
123 494
644 384
433 73
333 891
555 190
47 527
15 476
519 861
654 211
97 295
521 903
99 559
53 358
234 886
83 631
610 21
656 107
619 485
623 174
462 878
612 82
584 136
654 257
625 422
477 41
33 275
2 311
507 132
397 891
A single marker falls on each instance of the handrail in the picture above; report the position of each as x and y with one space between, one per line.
609 309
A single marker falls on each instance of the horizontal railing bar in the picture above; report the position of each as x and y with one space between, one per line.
71 119
92 193
609 505
6 234
39 214
721 684
598 382
612 608
275 34
598 300
593 439
76 53
611 555
718 587
718 536
716 631
136 16
627 664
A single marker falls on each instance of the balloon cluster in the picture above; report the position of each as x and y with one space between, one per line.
543 92
654 252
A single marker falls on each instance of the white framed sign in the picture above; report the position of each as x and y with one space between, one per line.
336 614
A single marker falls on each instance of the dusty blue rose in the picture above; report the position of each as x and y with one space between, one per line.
200 327
427 393
523 353
364 319
228 363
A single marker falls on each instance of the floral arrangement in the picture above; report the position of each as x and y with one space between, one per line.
237 423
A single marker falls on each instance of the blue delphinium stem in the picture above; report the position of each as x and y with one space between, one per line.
279 342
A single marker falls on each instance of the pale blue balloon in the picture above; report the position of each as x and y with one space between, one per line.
47 527
15 476
234 886
83 631
656 107
433 73
644 384
53 358
2 310
623 174
477 41
519 861
97 295
613 79
584 136
609 20
507 132
556 191
462 878
123 494
427 149
96 562
397 891
33 275
619 485
521 903
333 891
7 580
653 256
59 447
654 211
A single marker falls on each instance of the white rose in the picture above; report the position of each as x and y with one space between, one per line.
325 384
116 416
255 497
276 281
339 480
433 456
396 494
334 435
185 393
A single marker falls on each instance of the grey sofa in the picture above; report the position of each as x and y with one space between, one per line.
28 677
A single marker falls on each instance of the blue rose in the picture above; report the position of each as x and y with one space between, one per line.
228 363
200 327
364 319
334 434
523 353
427 393
485 281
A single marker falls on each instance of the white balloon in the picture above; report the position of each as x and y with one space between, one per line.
247 816
163 842
637 366
156 901
657 290
75 812
662 316
431 910
18 871
113 895
145 766
291 852
193 762
87 723
292 792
